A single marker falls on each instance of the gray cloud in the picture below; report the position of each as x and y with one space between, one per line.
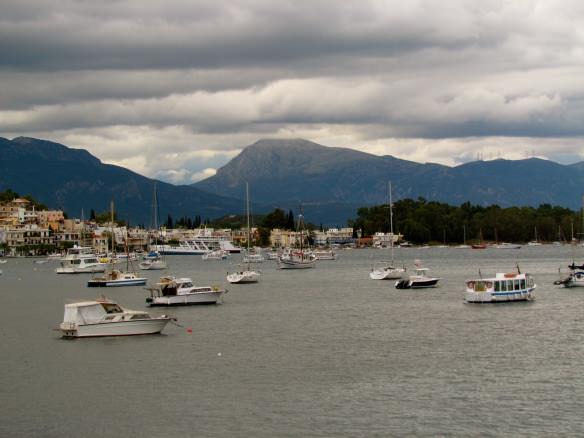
137 81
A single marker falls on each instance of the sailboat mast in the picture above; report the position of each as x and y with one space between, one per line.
247 210
112 223
390 222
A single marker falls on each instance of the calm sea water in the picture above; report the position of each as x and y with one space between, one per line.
322 352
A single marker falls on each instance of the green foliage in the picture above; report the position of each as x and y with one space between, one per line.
8 195
106 217
421 221
276 219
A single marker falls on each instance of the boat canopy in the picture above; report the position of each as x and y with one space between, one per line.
88 312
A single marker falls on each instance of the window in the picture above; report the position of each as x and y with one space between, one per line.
503 286
497 286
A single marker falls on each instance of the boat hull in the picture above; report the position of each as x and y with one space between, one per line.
499 297
123 328
86 270
243 277
211 297
386 274
116 283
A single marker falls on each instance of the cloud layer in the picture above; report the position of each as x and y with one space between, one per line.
175 89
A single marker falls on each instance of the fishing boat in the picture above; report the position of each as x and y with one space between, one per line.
297 258
104 317
419 280
80 259
245 274
172 291
386 269
504 287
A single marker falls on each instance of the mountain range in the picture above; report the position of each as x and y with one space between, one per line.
288 171
329 183
76 181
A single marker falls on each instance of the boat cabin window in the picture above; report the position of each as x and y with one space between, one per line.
139 316
509 285
112 308
522 283
516 284
76 262
169 290
497 286
503 286
187 284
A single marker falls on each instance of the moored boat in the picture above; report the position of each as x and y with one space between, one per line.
105 317
117 278
504 287
172 291
419 280
80 259
153 264
246 275
325 254
385 270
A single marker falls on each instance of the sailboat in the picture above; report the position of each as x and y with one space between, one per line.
247 275
536 241
297 258
385 270
154 260
481 244
116 277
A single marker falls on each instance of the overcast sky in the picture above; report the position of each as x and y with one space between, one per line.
174 89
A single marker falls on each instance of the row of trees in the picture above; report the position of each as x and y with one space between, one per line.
421 221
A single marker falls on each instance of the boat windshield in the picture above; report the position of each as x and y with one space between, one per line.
112 308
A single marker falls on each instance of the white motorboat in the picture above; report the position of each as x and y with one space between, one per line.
246 275
217 254
385 270
104 317
504 287
153 264
80 259
117 278
506 245
419 280
325 254
253 257
173 291
575 278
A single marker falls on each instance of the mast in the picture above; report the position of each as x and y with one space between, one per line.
248 225
112 223
390 222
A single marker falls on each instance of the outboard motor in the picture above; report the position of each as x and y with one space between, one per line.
402 284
